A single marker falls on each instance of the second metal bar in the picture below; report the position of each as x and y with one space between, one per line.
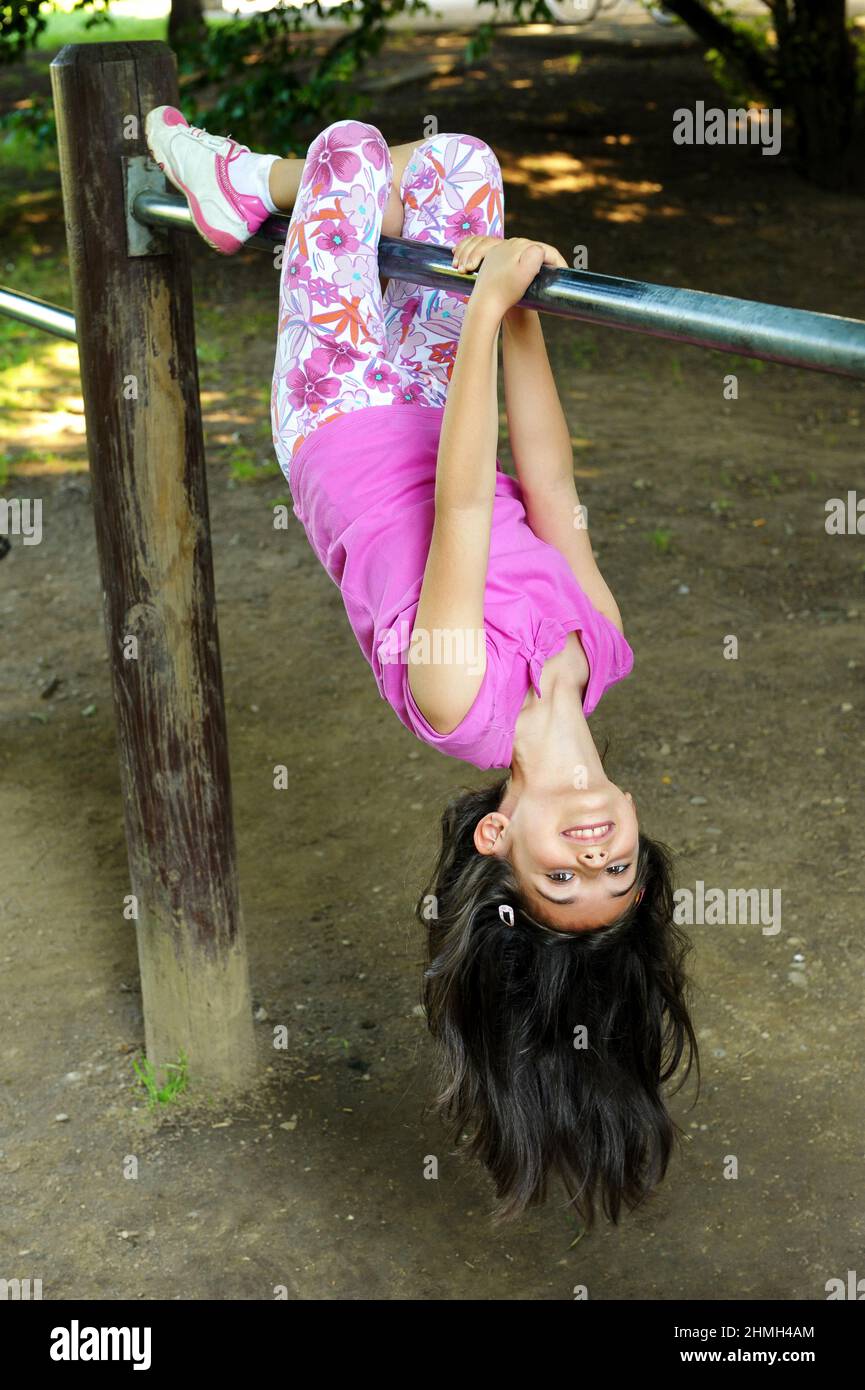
37 313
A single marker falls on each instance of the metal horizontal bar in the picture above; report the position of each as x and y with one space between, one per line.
38 313
796 337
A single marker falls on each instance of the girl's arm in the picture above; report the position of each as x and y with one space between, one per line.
539 435
451 607
450 611
543 455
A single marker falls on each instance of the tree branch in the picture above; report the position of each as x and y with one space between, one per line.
735 46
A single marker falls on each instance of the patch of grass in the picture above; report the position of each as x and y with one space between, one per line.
118 27
661 540
45 276
176 1084
38 373
71 27
733 361
208 351
16 345
48 461
245 467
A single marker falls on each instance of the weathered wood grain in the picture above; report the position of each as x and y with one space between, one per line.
139 376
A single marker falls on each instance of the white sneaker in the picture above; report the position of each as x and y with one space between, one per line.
198 164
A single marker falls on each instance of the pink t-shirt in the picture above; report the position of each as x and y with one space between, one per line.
363 486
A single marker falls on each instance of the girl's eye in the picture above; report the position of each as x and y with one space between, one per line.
565 875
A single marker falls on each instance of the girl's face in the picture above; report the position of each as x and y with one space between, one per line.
574 855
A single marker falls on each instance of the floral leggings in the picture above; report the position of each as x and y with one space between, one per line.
341 344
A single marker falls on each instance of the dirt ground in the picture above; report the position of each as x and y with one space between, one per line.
708 517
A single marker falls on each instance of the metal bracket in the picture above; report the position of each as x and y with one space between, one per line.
141 174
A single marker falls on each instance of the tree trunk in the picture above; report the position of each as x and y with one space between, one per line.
819 73
811 74
186 26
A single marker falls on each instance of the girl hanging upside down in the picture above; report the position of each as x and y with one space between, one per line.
555 983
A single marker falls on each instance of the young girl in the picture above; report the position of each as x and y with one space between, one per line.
555 982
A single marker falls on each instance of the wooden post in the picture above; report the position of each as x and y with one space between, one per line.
136 342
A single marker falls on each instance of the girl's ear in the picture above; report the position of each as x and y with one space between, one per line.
488 832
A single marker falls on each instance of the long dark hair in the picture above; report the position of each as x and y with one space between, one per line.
507 1005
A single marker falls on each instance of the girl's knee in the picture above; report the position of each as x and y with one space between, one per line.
360 136
472 150
486 156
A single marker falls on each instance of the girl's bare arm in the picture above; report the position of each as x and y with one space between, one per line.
452 595
539 434
451 607
543 455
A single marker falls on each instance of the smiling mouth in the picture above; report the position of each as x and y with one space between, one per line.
590 834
